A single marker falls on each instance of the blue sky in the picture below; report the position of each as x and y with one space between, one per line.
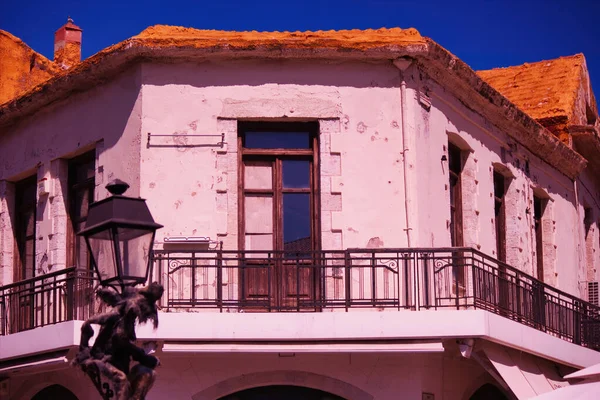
485 34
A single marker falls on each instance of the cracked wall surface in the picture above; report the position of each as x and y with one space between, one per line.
165 139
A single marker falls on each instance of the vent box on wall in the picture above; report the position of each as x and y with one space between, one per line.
187 239
187 242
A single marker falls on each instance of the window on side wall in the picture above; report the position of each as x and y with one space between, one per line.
81 184
539 206
25 217
500 185
455 167
588 226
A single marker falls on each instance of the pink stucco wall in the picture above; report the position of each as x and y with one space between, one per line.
105 120
358 376
358 106
193 190
489 148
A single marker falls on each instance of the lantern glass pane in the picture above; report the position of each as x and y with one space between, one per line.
134 249
103 252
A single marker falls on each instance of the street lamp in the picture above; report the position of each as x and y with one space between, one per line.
119 233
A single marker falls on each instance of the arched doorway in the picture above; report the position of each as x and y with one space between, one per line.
281 392
488 392
55 392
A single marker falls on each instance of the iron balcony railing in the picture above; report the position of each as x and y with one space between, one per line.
284 281
411 279
271 281
59 296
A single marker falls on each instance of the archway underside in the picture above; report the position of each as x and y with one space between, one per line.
54 392
281 392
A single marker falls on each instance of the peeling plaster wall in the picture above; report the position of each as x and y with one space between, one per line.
193 190
191 183
106 119
449 119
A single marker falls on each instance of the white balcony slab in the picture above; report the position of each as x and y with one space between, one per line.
190 327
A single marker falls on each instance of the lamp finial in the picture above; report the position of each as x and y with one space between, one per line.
117 187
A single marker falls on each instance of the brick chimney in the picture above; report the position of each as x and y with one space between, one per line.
67 45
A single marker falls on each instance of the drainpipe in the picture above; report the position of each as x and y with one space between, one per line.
407 145
402 64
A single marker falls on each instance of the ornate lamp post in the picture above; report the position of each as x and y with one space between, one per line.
119 233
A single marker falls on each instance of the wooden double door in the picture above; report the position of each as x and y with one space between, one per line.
279 203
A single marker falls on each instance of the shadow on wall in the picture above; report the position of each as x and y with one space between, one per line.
105 112
256 73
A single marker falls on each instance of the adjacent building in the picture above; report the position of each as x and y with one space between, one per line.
347 214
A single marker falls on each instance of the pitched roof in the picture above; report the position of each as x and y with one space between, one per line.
544 90
21 68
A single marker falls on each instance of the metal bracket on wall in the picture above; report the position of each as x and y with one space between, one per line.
183 141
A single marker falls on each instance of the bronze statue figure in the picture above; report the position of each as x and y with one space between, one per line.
107 362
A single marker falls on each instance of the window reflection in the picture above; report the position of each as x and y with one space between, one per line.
296 222
276 140
296 174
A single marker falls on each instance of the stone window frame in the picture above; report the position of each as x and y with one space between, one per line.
312 154
511 209
20 187
590 240
226 187
468 203
330 138
9 254
548 256
61 233
89 184
469 184
7 238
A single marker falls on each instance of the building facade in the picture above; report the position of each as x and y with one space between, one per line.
350 214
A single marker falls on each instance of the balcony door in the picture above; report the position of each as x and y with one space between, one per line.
24 296
278 211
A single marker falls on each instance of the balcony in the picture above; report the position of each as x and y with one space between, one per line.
59 296
388 280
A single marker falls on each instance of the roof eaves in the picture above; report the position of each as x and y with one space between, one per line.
106 63
456 75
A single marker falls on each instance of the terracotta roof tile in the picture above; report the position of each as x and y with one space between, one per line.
165 35
21 68
544 89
